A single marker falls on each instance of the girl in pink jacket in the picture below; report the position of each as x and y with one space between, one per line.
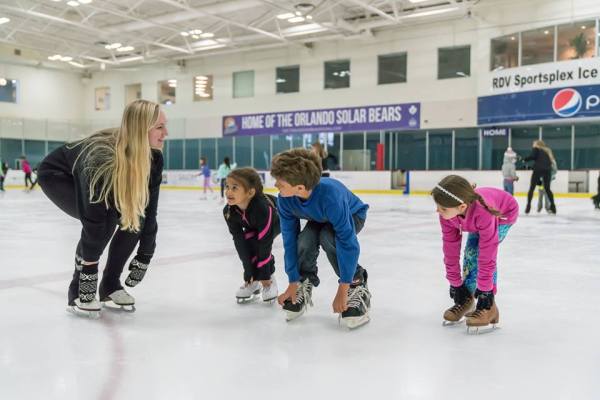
486 214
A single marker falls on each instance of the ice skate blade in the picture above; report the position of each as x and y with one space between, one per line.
83 313
453 323
112 306
291 315
356 322
246 300
481 330
271 300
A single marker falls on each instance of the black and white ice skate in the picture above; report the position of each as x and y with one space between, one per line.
119 300
248 292
303 299
359 305
90 309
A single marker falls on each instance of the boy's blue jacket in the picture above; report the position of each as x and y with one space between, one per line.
330 201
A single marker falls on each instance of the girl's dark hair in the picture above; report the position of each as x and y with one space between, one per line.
226 162
248 178
461 188
203 159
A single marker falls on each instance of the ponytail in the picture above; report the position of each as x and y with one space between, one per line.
489 209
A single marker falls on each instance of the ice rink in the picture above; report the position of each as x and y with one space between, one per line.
190 340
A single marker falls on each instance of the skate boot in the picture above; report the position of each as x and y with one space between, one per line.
486 313
86 304
463 305
359 305
303 298
119 300
269 293
248 292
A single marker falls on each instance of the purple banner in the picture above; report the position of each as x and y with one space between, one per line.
350 119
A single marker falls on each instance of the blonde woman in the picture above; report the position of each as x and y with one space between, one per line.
543 159
110 181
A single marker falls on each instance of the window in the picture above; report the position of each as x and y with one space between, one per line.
8 90
558 138
587 147
203 87
410 150
35 150
537 46
243 147
440 150
167 91
281 143
288 79
208 149
355 157
522 141
225 149
504 52
133 92
492 151
373 139
576 40
192 154
175 152
392 68
337 74
10 151
466 149
102 102
262 152
454 62
243 84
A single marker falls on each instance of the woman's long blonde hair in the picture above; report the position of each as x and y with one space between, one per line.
542 146
117 163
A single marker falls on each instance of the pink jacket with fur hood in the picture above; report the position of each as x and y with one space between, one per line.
478 220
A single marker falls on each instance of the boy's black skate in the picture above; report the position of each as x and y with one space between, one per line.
359 305
303 298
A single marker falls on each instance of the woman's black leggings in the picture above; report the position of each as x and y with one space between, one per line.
61 190
223 181
546 179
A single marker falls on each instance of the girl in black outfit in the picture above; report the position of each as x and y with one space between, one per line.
253 222
110 180
542 169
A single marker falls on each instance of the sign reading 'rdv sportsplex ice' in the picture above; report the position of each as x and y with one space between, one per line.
365 118
545 76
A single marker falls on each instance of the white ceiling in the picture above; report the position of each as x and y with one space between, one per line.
153 27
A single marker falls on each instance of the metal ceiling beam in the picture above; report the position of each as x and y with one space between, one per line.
374 9
89 28
200 13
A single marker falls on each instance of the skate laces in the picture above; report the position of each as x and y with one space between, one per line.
356 296
304 292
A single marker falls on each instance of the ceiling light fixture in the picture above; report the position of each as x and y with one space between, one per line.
113 46
184 34
76 64
73 3
430 12
286 16
66 59
4 20
125 48
546 32
295 20
417 1
84 1
207 35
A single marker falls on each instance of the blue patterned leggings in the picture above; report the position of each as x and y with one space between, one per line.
471 255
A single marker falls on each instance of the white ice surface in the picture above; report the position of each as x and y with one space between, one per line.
190 340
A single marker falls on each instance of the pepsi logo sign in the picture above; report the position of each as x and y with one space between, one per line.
567 102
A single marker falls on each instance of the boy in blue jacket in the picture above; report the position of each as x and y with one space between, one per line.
335 215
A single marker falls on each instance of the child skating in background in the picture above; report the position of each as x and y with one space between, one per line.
335 216
2 174
26 167
205 173
252 218
487 214
509 170
224 170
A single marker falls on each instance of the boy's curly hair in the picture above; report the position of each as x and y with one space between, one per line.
297 167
